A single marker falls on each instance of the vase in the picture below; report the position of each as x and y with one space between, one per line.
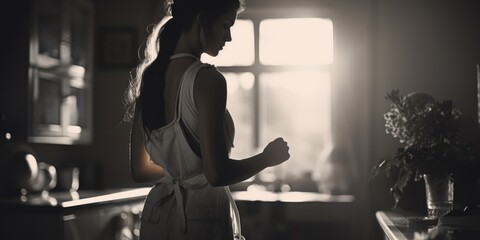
439 193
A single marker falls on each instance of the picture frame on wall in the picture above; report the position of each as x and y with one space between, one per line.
117 47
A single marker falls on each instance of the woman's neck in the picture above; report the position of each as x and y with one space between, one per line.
189 43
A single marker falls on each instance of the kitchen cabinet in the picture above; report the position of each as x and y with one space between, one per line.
47 78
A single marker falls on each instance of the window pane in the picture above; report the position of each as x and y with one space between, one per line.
296 106
47 107
49 27
296 41
240 51
240 105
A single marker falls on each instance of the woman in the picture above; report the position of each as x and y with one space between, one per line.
189 200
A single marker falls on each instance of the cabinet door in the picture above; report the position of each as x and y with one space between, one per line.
48 31
60 71
80 33
47 95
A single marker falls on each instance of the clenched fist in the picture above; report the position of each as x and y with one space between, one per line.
276 152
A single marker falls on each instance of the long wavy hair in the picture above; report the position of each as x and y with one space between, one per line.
147 82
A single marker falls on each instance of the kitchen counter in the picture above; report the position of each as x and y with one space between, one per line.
83 214
397 226
404 225
75 199
298 197
297 215
91 197
92 214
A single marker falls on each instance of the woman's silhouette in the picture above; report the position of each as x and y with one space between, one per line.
190 199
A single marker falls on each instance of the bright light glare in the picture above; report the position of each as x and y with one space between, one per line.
240 51
253 194
76 71
74 129
296 41
32 165
240 104
296 106
135 193
235 81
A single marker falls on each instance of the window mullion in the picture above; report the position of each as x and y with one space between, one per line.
259 68
256 86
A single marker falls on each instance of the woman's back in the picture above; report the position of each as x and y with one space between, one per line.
198 203
174 73
181 74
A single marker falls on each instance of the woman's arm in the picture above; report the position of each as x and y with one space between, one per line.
142 168
210 96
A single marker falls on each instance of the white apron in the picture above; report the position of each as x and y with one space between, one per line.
182 204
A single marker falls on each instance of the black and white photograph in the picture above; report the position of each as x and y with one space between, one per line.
240 120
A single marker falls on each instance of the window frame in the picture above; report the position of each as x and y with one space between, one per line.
256 14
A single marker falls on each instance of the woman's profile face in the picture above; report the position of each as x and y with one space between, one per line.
218 34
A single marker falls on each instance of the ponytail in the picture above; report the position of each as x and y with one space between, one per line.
153 83
147 85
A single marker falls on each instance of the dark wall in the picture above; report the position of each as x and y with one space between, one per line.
432 47
111 133
425 46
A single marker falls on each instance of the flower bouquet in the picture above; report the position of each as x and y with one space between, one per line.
427 131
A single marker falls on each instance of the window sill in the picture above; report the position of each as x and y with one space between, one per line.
293 196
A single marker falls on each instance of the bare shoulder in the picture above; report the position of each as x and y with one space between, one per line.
210 81
210 91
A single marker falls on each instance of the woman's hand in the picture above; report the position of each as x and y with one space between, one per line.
276 152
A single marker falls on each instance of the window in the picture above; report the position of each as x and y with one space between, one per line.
278 73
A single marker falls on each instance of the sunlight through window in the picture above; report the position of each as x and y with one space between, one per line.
240 51
278 96
296 41
240 104
296 106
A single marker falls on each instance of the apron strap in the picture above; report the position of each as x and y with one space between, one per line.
180 206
